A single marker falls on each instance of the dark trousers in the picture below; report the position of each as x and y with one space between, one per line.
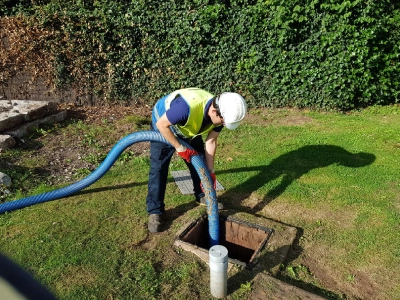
160 158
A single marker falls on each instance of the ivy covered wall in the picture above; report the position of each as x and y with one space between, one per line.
327 54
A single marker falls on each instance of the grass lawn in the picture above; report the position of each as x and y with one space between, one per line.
333 176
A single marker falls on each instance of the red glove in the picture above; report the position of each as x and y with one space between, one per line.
187 154
214 179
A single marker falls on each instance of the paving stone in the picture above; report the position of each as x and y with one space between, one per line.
184 182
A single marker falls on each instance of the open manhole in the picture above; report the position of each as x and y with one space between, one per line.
243 240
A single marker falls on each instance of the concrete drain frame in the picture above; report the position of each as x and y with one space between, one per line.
243 240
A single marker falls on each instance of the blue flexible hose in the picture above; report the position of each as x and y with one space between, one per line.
140 136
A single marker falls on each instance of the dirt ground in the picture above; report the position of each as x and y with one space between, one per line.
64 155
65 160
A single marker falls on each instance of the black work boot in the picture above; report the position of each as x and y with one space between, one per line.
154 224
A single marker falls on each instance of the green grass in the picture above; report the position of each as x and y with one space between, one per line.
335 176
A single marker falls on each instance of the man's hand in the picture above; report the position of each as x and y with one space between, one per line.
186 153
214 179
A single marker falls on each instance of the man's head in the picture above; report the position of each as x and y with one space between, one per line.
231 108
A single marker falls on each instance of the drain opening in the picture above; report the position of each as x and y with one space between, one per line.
243 240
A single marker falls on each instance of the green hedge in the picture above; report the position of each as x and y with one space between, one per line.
328 54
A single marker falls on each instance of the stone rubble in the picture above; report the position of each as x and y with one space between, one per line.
19 117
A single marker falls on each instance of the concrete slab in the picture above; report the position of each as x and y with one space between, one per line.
18 117
26 128
275 252
184 182
16 112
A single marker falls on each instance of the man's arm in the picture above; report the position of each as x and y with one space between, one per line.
163 125
211 149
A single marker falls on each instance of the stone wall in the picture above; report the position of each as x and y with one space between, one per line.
21 88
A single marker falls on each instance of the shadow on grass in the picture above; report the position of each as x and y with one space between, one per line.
292 166
289 166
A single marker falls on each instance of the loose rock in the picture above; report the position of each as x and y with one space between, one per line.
5 179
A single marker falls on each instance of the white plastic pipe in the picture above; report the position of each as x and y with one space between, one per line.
218 271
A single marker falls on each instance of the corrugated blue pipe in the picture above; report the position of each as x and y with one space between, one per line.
140 136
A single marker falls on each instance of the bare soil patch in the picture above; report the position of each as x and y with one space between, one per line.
64 155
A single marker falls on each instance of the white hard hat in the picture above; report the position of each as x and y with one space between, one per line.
232 107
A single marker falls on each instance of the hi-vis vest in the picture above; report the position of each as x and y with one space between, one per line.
196 99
